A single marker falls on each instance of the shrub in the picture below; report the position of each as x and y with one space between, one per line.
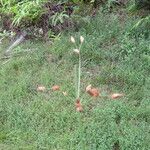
142 4
39 13
22 10
142 26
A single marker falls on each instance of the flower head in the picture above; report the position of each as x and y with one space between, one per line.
76 51
81 39
72 39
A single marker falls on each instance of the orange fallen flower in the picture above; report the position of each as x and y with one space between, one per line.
92 91
41 88
116 95
78 106
55 87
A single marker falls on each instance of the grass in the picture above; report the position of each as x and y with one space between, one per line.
111 61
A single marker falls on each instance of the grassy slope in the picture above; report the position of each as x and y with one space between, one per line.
111 61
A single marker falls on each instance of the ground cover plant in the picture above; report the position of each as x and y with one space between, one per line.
38 107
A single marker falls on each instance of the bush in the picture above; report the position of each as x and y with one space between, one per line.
22 10
142 26
142 4
41 15
46 17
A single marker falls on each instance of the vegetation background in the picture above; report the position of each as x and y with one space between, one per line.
35 50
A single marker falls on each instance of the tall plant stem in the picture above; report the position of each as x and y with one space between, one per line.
79 72
79 76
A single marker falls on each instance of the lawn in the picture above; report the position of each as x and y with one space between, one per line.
112 61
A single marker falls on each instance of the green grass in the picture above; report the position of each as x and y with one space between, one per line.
111 61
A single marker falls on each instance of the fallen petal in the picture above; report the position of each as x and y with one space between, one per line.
93 92
41 88
116 95
78 106
79 109
65 93
55 88
88 88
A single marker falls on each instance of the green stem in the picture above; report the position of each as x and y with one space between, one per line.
79 73
79 76
76 80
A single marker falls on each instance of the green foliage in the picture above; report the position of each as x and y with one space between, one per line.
142 4
58 18
142 27
38 18
46 15
5 33
22 10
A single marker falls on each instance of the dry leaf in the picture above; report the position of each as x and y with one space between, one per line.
55 88
78 106
92 91
116 95
41 88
